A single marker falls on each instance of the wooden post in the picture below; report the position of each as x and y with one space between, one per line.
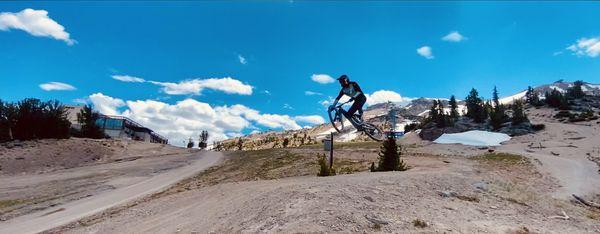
331 152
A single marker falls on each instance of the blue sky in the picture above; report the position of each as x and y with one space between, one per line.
274 48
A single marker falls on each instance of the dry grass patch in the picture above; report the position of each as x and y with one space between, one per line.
505 158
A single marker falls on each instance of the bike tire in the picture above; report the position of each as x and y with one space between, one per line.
332 115
373 132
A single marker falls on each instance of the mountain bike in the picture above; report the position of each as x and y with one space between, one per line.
336 116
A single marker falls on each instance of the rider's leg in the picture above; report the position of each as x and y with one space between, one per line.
359 102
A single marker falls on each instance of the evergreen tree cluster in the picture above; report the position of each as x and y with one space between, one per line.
476 108
494 111
33 119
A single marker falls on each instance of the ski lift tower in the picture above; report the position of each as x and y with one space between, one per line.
392 117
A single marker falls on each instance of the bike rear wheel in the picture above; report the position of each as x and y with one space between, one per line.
373 132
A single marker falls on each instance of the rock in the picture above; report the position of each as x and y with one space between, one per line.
491 150
482 185
17 143
369 198
447 194
20 158
376 220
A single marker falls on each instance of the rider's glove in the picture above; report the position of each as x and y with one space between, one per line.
331 108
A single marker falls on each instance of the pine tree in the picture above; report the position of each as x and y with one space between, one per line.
519 115
576 91
554 98
453 108
389 156
529 95
87 117
433 111
475 107
495 97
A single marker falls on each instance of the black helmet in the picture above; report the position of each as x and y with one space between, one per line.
343 77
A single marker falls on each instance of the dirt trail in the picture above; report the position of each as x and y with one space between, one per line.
563 155
361 202
70 212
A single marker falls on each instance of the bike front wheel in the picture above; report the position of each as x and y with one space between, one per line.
373 132
336 120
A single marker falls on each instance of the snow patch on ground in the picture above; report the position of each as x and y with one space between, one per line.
473 138
510 99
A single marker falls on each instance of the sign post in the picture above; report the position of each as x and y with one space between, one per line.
331 151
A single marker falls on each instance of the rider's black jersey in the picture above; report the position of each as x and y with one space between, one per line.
352 90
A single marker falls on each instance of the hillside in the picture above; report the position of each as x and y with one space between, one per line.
377 114
519 187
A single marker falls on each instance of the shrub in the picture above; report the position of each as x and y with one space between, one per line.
538 127
389 156
420 223
324 169
411 127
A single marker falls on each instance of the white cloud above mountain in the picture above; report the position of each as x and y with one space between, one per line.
383 96
196 86
380 96
188 117
311 119
51 86
322 78
127 78
589 47
105 104
454 36
36 23
426 52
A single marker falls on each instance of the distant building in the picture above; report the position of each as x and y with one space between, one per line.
125 128
72 115
118 127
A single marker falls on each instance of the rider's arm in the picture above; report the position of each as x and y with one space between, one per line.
338 98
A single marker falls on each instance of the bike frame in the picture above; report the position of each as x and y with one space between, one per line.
339 109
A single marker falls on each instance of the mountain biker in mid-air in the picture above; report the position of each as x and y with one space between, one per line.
351 89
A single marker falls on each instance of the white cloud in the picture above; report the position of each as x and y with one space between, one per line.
586 47
36 23
322 78
105 104
380 96
126 78
287 106
195 86
312 119
425 51
56 86
383 96
188 117
242 59
311 93
454 36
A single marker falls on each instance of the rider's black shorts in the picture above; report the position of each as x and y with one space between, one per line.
359 102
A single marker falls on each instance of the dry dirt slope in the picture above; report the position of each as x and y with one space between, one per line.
493 193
